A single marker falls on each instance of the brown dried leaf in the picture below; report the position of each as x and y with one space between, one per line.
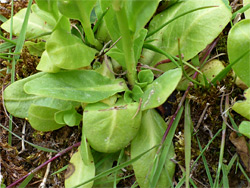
242 149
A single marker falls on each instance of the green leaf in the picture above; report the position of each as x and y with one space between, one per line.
195 30
158 92
139 13
16 101
242 107
247 13
36 25
67 51
150 134
48 6
78 171
68 117
138 43
41 118
35 49
80 10
77 85
146 76
49 17
46 65
244 128
211 69
239 43
137 93
109 129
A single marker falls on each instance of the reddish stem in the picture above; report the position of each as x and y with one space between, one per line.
44 164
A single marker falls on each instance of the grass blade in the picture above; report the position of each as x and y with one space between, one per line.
2 18
242 10
206 166
164 151
27 142
244 173
224 72
224 177
26 181
188 127
60 170
160 51
118 162
18 49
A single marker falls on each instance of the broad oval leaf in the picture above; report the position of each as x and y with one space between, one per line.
16 100
242 107
79 10
109 129
244 128
36 25
77 85
79 172
67 51
158 92
238 43
41 118
150 134
195 30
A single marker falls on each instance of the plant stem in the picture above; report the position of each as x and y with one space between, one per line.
127 41
44 164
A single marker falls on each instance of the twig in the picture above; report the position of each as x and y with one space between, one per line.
23 137
73 25
44 164
201 118
43 184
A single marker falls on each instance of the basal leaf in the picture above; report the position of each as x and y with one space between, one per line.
35 49
41 118
36 25
48 6
16 101
195 30
150 134
158 92
49 17
67 51
244 128
80 10
109 129
78 171
242 107
146 76
77 85
69 117
238 44
46 65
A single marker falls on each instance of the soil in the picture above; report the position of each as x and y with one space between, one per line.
15 161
